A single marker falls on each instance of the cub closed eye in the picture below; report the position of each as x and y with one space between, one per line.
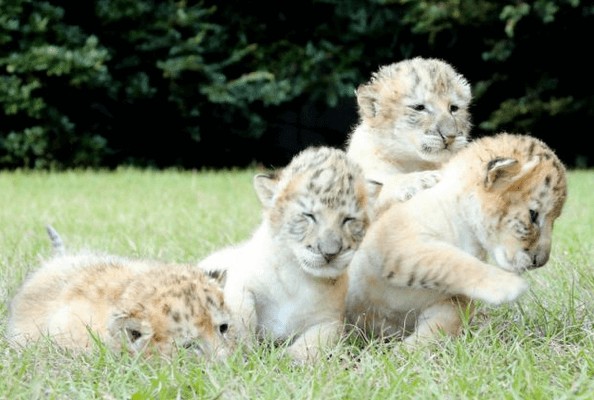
454 108
347 220
533 216
418 107
310 216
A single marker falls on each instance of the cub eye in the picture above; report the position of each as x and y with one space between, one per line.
347 220
454 108
223 328
310 217
133 334
418 107
533 216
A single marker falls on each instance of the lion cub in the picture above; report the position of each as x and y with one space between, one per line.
136 305
288 281
421 259
413 117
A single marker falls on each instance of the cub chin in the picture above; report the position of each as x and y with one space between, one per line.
424 259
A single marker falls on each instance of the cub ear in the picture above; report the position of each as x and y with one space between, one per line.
501 173
265 187
127 332
217 276
373 190
367 100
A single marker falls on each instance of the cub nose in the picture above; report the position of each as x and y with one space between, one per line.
330 246
539 260
330 252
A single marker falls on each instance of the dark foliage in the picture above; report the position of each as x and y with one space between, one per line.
194 84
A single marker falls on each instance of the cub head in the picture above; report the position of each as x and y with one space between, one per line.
418 107
523 188
171 307
317 208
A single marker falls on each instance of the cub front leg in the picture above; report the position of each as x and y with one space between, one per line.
313 343
443 267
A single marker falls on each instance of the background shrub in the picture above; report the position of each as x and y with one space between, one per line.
195 84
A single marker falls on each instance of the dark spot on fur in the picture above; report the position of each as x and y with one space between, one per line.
531 149
214 274
166 309
411 280
176 317
547 181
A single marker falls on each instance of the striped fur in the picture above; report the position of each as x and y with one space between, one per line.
471 236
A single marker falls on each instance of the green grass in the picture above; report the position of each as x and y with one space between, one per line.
541 347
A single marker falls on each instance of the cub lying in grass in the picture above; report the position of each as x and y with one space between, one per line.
424 258
137 305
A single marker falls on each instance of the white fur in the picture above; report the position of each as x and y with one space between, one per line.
275 298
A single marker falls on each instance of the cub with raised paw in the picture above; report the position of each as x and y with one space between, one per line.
423 259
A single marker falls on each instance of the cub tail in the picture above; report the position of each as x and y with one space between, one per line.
57 243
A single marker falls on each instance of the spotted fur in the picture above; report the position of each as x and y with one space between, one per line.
413 116
288 282
136 305
422 259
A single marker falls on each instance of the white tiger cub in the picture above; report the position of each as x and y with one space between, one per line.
422 259
288 281
413 116
141 306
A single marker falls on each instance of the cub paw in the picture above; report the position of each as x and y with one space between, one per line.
414 183
301 354
499 287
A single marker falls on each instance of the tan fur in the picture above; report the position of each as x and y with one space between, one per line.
423 259
137 305
288 281
413 116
